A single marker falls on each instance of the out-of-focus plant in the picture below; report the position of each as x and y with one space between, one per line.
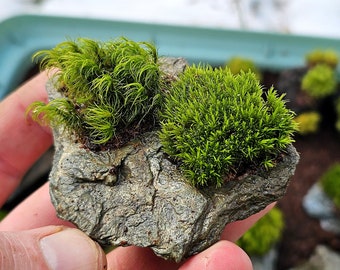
216 124
266 232
328 57
330 182
319 82
236 64
308 122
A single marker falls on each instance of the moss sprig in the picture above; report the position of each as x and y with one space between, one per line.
308 122
319 82
107 86
215 122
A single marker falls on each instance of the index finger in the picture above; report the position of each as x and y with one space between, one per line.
22 141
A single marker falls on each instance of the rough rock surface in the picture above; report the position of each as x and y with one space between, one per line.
136 196
322 259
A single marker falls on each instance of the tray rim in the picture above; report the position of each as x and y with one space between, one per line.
22 35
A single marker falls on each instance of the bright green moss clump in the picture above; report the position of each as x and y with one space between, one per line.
308 122
264 234
107 86
236 64
330 182
216 124
328 57
319 81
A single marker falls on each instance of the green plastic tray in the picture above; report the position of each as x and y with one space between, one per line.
21 36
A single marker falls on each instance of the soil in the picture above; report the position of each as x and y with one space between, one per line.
317 153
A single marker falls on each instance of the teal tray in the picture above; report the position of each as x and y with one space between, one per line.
21 36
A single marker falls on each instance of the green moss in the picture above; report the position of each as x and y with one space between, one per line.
308 122
236 64
319 81
216 123
213 123
330 182
264 234
328 57
107 86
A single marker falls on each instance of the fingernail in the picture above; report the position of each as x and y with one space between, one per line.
72 249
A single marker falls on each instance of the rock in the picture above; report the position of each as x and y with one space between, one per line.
265 262
318 205
136 196
322 259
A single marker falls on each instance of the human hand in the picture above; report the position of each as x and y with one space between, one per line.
32 237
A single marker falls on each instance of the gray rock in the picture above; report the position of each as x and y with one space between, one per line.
322 259
318 205
136 196
267 261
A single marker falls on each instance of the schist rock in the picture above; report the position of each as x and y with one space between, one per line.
135 195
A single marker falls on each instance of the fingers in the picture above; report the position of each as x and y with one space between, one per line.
22 140
235 230
53 247
223 255
36 211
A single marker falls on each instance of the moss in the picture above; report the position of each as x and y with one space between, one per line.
236 64
319 82
266 232
216 123
330 182
328 57
308 122
108 86
213 123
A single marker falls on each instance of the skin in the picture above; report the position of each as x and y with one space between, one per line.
21 145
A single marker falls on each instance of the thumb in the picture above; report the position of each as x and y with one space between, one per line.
52 247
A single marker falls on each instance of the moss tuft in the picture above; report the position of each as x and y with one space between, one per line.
266 232
236 64
107 86
319 82
328 57
330 182
216 123
308 122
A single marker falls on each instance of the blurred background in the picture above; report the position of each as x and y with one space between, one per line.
310 17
